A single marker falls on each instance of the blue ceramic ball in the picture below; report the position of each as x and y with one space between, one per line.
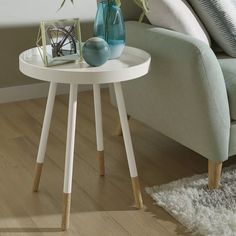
96 51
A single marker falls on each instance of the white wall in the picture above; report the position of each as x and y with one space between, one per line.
31 12
19 24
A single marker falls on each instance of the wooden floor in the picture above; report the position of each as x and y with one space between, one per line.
100 206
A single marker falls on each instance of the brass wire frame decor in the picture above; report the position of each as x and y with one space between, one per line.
59 41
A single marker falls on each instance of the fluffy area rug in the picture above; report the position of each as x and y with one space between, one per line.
200 210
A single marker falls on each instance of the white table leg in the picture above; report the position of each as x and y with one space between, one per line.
70 143
44 135
99 130
128 144
119 130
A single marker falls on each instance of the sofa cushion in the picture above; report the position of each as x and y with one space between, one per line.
228 66
219 17
176 15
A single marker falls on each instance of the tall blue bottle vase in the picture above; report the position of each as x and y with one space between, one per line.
109 25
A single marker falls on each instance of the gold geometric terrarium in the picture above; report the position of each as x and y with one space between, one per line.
59 41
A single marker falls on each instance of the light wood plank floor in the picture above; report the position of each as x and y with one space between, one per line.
100 206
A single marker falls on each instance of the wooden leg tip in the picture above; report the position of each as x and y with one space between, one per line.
214 174
101 162
66 212
37 176
137 193
64 228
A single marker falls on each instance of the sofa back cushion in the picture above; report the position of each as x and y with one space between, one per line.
177 15
219 16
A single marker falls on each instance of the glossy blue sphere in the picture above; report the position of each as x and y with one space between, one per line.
96 51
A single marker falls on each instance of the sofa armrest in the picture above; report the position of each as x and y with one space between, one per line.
185 96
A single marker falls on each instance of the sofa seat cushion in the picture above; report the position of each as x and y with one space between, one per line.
228 66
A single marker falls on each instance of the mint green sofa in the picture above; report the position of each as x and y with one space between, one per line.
189 94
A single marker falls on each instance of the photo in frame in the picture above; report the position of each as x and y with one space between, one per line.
59 41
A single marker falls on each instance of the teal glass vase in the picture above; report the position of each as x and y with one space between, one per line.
109 25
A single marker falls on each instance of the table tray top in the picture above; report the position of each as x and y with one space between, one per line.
132 64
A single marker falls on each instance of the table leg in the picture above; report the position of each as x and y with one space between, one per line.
44 135
99 130
128 144
119 130
70 142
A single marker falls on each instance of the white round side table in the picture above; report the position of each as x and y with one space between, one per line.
132 64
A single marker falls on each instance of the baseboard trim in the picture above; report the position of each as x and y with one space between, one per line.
32 91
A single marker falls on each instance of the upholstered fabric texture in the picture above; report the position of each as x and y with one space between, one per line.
228 66
219 17
184 95
177 15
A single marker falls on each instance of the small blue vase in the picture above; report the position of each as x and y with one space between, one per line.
109 25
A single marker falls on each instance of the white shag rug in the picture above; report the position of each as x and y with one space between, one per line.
200 210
